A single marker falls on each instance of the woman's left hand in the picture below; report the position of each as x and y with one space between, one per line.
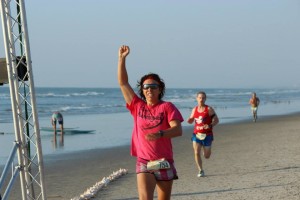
152 136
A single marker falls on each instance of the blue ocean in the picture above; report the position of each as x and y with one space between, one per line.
102 113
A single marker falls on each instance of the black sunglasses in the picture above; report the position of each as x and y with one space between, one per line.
151 86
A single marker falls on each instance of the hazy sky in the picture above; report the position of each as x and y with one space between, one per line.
195 44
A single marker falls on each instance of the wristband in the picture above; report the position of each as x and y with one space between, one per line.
161 133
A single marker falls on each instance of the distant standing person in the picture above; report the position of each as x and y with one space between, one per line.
205 119
254 102
57 117
156 122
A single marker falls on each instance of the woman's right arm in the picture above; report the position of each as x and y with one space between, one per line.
126 89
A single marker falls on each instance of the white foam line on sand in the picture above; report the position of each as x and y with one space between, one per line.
92 191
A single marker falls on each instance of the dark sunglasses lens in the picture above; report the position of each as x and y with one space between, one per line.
152 86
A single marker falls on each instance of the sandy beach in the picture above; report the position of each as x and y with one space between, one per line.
249 161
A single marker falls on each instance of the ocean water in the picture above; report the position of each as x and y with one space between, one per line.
85 101
102 111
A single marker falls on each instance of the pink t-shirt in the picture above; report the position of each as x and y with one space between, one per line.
151 119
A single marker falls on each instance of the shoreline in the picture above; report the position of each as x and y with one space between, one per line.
49 158
70 142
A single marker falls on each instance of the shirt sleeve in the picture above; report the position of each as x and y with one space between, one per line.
132 106
173 113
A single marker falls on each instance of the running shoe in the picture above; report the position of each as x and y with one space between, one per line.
201 173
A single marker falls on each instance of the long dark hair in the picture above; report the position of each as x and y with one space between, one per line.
155 77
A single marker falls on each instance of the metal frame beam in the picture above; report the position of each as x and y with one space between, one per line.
22 92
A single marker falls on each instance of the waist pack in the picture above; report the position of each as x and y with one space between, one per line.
201 136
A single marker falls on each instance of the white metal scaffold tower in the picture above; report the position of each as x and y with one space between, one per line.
27 143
